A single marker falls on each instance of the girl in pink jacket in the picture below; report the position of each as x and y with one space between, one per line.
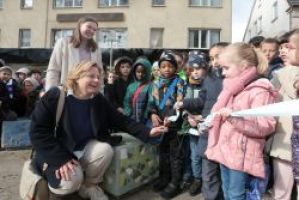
237 143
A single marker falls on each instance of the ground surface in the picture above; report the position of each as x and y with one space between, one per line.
11 163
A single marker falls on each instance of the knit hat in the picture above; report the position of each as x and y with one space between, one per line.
6 68
23 70
33 81
170 58
197 59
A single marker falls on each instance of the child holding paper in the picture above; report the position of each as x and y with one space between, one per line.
237 143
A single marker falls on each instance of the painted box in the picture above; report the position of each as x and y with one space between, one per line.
133 165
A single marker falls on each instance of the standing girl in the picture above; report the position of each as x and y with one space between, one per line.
68 52
237 143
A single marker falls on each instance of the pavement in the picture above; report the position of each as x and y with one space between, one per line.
11 163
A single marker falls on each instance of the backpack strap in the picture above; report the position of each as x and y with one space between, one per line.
136 94
60 105
168 92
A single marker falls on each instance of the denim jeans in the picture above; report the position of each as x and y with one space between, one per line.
233 183
196 162
187 172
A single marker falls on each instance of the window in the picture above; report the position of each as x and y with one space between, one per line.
259 25
60 33
203 38
274 11
1 4
67 3
26 3
115 38
158 2
213 3
111 3
156 38
24 38
255 27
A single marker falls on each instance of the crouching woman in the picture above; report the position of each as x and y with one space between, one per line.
74 155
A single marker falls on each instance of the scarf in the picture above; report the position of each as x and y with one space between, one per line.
231 87
193 81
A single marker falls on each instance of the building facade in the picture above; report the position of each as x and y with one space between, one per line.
272 18
177 24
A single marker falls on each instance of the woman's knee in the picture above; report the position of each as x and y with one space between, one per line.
71 186
98 151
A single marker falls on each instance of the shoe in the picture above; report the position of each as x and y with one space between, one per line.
185 185
92 193
195 188
159 185
170 191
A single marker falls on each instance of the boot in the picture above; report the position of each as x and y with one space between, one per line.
195 188
173 188
164 173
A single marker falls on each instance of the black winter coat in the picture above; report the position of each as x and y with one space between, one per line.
58 150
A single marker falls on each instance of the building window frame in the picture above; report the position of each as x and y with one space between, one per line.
66 32
113 3
158 3
274 11
112 37
206 3
22 40
65 4
259 25
26 4
204 37
1 4
160 37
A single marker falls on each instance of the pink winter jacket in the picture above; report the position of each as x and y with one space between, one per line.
238 142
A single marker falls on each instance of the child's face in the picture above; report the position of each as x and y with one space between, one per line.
167 69
197 73
270 50
229 68
140 72
5 75
36 76
156 72
28 87
214 56
293 48
283 53
22 76
125 69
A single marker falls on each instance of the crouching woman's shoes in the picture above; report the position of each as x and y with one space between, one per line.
92 193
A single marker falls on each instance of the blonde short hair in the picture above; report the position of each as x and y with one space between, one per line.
77 72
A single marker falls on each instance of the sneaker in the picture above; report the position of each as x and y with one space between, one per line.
92 193
195 188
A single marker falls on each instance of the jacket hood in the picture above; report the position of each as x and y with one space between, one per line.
120 60
147 65
265 84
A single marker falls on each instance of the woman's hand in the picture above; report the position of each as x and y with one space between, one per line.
156 131
121 110
64 171
156 120
224 112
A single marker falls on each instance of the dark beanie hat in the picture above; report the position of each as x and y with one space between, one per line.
197 60
170 58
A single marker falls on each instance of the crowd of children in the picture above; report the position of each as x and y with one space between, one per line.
228 158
